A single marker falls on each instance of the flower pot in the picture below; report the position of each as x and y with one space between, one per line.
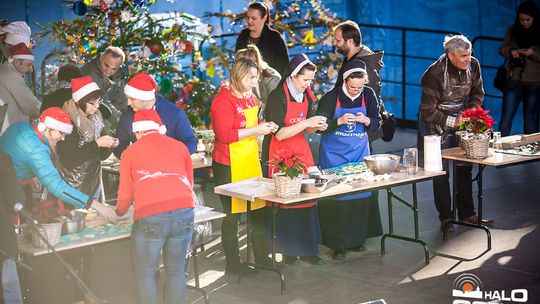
286 186
476 145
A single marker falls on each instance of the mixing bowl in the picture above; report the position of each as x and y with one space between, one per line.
382 163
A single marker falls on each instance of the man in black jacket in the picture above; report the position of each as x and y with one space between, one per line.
10 193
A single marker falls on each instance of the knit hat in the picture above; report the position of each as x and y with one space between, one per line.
147 120
142 87
297 63
16 32
55 118
354 66
82 86
20 51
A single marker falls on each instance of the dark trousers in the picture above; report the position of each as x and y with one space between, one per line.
229 226
512 97
441 187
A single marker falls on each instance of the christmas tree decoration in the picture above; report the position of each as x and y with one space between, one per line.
80 8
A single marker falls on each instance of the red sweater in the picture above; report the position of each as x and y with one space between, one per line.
151 174
227 117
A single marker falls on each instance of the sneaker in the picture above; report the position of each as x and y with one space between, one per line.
473 219
290 260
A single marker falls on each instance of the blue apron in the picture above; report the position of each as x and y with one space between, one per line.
348 143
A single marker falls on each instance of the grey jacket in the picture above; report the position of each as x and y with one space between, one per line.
14 92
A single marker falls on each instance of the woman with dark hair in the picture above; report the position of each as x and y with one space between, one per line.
267 40
80 154
521 47
290 107
351 110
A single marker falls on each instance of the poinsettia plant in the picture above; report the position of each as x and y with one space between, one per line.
476 121
287 163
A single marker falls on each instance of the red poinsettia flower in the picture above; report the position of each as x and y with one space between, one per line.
476 121
286 162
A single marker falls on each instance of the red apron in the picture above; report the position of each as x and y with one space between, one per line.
298 145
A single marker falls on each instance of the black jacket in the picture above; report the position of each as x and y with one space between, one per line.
271 46
10 193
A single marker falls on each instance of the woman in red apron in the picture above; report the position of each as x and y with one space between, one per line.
236 157
289 106
351 110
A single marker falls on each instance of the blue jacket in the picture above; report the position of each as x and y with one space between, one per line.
32 157
174 118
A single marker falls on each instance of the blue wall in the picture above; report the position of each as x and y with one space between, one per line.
472 18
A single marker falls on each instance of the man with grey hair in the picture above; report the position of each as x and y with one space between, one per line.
107 73
451 85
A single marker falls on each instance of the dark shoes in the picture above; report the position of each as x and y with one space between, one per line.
313 260
267 262
339 254
358 248
290 260
473 219
447 226
240 269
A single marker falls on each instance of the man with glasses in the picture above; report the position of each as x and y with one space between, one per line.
107 73
451 85
21 102
141 94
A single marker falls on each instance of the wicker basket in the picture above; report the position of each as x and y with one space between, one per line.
287 187
476 145
51 231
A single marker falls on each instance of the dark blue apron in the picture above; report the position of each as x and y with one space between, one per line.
348 143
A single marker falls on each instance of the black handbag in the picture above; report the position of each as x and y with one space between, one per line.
501 78
388 126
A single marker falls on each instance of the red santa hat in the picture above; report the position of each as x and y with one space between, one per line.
55 118
82 86
142 87
20 51
148 120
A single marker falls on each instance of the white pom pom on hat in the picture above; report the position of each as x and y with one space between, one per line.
55 118
148 120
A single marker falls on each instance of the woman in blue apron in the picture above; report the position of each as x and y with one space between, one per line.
351 110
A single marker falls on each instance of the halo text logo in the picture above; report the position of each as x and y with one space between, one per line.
467 289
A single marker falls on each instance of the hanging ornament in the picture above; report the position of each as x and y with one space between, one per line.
309 38
165 86
80 8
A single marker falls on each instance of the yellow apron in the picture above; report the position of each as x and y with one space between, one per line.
244 155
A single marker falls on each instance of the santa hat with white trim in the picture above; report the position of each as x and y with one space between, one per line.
148 120
82 86
20 51
141 87
55 118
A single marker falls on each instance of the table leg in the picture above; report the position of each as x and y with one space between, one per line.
197 286
414 208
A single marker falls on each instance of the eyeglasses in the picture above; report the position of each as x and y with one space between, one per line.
97 102
354 89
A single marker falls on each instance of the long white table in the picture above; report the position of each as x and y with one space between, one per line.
262 188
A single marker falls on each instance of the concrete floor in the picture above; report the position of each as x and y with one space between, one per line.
401 276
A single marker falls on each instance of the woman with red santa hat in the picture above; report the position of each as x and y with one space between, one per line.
29 146
156 176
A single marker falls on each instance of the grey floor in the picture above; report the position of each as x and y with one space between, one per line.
401 276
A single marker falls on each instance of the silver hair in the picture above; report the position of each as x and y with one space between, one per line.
453 43
115 52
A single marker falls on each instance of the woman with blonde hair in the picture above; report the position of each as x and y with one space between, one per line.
236 158
269 79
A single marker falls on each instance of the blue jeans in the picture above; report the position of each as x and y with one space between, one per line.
10 283
530 94
168 231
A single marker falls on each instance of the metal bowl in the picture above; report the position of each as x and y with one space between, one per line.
382 163
328 174
312 185
75 224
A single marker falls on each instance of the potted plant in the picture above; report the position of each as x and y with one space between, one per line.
287 173
475 131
